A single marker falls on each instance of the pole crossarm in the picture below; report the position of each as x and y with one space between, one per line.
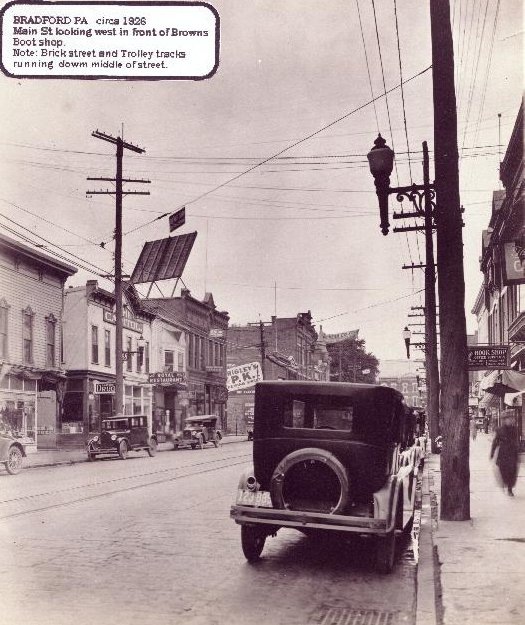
141 180
127 146
409 229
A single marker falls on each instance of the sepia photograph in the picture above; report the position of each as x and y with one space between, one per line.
262 312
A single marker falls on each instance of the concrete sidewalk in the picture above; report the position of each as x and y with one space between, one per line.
473 572
52 457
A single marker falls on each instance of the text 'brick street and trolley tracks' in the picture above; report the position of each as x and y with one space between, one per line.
99 40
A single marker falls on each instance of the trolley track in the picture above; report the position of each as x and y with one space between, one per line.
39 502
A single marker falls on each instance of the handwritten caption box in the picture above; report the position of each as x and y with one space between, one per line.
125 40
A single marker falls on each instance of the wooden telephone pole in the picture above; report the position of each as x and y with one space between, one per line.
118 193
455 473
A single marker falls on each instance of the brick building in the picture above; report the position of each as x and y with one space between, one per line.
32 370
205 329
292 349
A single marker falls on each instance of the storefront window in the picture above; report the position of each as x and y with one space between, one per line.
18 416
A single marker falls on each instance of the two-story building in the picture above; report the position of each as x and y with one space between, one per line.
32 368
89 348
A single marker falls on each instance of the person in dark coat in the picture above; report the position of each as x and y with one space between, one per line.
505 448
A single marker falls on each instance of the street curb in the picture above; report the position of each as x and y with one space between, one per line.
426 612
62 462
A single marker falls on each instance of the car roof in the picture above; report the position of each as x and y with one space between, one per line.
331 388
202 417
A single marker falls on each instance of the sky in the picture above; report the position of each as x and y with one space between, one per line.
301 231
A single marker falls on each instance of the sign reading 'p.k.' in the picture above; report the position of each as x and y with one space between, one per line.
243 376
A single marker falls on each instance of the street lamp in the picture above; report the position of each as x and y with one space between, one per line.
406 336
381 161
141 342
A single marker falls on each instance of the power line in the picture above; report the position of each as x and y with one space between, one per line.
313 134
367 63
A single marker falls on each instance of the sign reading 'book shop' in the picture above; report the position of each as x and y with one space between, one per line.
483 357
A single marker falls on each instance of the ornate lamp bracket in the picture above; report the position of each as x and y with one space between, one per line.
415 194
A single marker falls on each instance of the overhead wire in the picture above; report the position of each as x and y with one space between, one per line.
367 64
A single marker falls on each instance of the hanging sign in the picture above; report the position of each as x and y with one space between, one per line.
177 219
483 357
104 388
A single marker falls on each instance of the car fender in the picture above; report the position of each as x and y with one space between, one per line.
19 446
386 501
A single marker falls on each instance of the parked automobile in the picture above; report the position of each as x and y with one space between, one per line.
122 434
329 456
198 431
12 453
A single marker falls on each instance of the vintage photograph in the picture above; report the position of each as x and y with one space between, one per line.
262 313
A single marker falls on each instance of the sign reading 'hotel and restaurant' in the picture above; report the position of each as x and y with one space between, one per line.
167 377
483 357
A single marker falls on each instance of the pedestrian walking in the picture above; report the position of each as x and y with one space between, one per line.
473 428
505 451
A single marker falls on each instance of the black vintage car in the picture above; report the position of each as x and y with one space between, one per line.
329 456
198 431
122 434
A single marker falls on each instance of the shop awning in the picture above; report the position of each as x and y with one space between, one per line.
503 382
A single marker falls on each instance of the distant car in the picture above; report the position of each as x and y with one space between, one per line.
329 457
198 431
12 453
122 434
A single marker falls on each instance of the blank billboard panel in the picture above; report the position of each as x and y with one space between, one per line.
163 259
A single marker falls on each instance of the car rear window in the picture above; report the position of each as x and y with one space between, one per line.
331 413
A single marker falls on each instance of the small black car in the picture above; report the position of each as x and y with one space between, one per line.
198 431
329 456
122 434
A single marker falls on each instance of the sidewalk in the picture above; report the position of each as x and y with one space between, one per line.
52 457
478 572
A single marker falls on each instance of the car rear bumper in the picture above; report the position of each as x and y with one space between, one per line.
308 520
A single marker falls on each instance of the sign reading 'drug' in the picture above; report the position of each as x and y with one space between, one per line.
127 40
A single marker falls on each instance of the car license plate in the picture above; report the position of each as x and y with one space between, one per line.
259 499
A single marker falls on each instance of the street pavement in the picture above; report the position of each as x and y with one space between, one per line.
53 457
473 572
470 572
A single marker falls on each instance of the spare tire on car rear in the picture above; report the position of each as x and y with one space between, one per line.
310 480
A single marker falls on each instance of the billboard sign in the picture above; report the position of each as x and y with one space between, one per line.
484 357
341 336
243 376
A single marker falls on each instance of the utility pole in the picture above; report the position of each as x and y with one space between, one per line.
263 349
455 472
431 357
119 193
